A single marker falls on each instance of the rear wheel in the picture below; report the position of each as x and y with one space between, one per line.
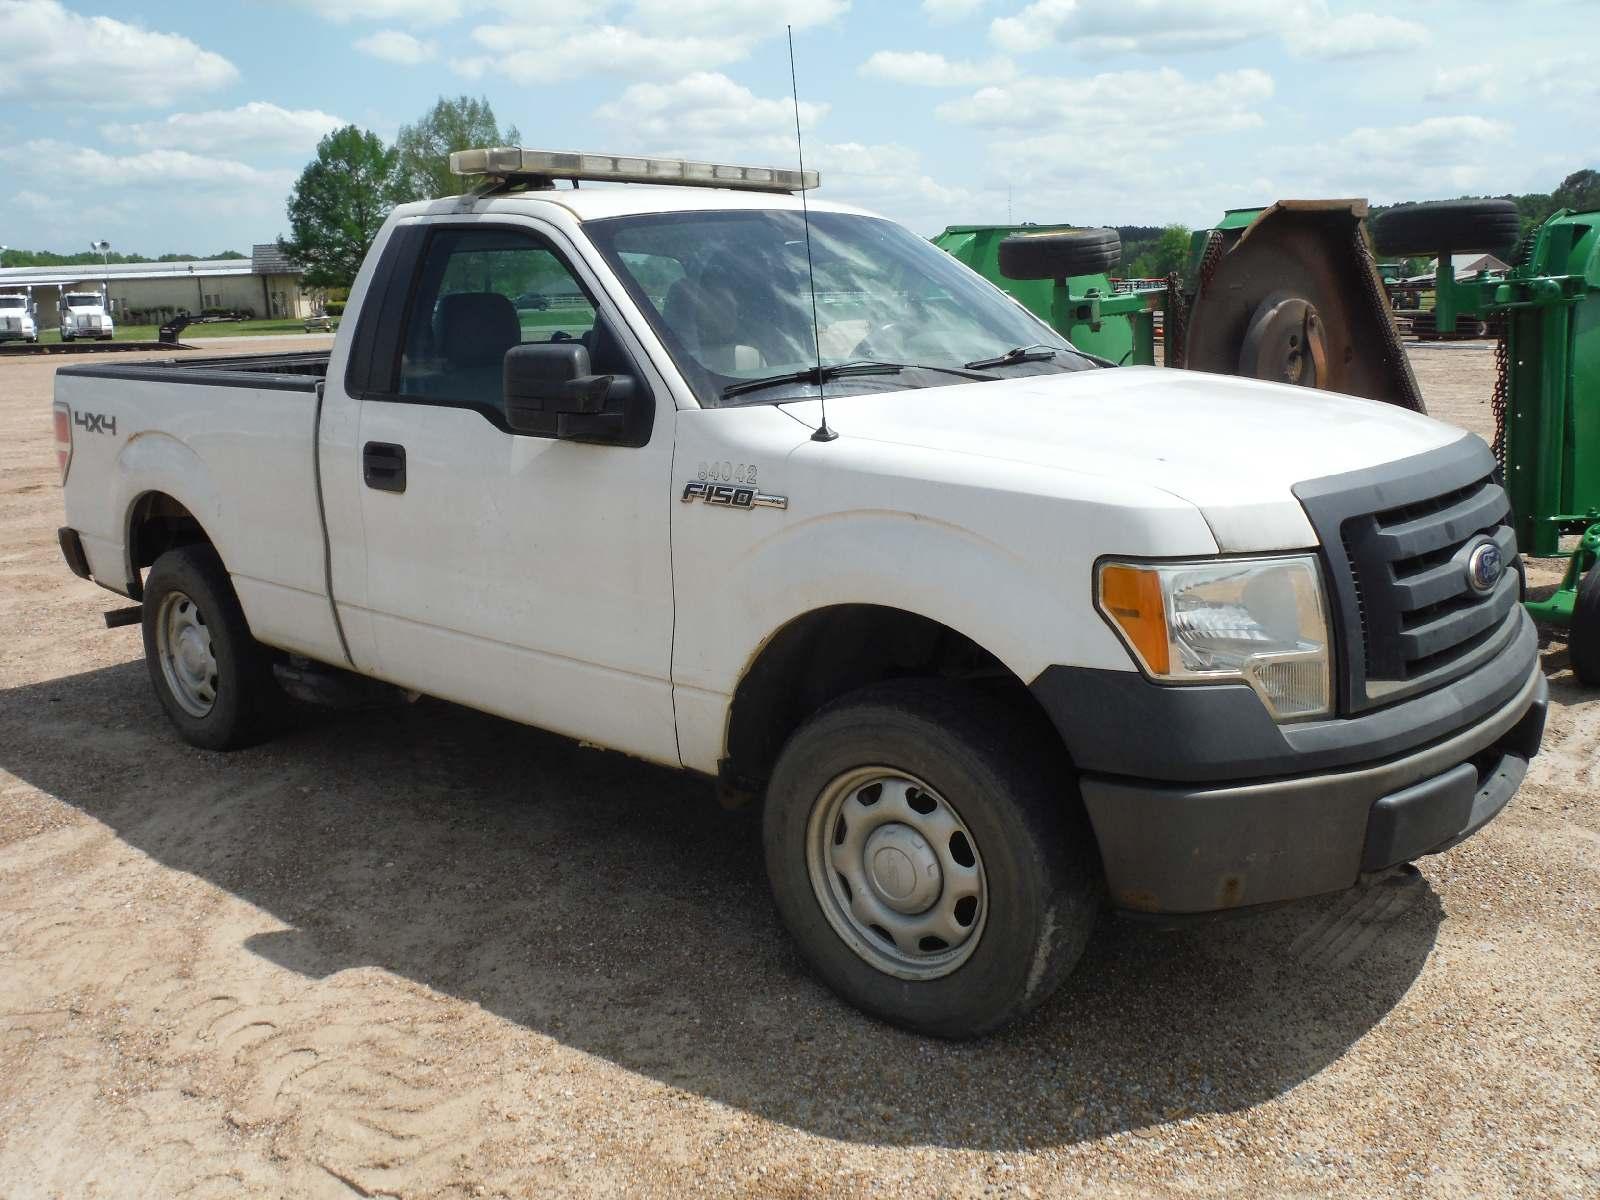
933 865
1448 226
1583 638
213 679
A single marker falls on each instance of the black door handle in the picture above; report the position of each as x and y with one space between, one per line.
383 466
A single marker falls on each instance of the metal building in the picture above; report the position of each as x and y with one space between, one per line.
266 284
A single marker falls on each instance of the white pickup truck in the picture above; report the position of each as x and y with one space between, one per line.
1006 639
16 319
84 315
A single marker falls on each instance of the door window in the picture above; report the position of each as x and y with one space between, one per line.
481 292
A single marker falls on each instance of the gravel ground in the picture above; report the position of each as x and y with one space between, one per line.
425 952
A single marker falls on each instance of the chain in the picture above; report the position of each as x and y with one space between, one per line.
1497 401
1176 334
1377 299
1174 322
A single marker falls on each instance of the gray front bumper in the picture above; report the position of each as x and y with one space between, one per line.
1190 849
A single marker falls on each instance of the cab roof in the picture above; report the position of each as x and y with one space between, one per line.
597 201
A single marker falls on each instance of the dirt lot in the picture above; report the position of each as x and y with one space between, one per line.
426 952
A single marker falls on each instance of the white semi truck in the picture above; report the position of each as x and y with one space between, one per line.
1000 640
17 321
85 315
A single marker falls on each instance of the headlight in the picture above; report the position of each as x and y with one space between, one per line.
1261 621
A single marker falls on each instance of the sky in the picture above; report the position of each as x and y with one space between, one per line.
182 126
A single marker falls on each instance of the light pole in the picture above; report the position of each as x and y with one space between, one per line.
103 249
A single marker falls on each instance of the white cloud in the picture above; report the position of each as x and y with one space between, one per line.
919 68
257 127
946 12
50 53
705 105
1308 27
658 40
1147 26
1437 156
536 55
406 12
1154 108
1357 35
565 11
735 18
1475 81
395 46
161 167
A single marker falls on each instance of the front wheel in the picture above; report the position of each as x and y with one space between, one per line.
213 679
934 866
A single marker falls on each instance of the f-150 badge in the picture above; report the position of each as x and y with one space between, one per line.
730 495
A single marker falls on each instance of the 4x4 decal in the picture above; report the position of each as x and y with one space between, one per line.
95 422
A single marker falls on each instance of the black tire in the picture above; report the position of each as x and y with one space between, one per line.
1059 253
248 704
1583 638
1448 227
1030 834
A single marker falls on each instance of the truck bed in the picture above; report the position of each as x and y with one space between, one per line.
295 372
230 441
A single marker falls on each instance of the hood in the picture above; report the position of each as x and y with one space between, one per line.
1231 447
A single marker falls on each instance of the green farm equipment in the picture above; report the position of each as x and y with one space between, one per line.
1291 293
1288 293
1060 273
1546 309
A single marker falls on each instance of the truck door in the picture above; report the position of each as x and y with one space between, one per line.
523 575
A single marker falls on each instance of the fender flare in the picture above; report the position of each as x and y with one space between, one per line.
153 463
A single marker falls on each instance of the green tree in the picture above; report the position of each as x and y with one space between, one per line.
338 205
423 168
1579 191
1169 254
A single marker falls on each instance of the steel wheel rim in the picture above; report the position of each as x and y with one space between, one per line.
873 835
183 647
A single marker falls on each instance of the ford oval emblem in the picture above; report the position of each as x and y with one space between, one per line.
1485 567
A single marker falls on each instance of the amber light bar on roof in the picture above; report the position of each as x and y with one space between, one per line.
513 162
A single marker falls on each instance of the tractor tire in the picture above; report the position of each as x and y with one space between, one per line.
1060 253
1448 227
1583 638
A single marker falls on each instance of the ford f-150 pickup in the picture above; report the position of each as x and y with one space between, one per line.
1000 637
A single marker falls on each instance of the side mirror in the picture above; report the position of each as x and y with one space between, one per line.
549 391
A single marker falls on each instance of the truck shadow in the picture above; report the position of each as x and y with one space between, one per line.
612 905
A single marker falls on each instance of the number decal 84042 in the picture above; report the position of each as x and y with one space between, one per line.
728 472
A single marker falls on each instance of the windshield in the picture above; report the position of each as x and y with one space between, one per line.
83 299
728 295
13 302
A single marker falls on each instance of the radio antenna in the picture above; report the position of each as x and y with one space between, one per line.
822 433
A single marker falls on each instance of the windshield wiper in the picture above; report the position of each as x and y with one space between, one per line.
816 376
1038 352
